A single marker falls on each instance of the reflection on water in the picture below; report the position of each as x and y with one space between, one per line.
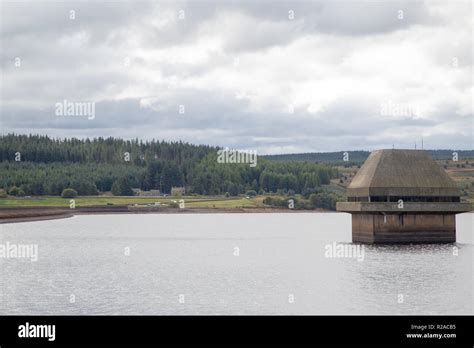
228 264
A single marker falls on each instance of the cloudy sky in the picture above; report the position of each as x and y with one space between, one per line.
279 77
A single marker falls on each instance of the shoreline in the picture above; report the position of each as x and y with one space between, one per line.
30 214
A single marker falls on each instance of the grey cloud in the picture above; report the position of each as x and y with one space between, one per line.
92 71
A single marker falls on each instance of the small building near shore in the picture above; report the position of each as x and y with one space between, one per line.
178 191
151 193
402 196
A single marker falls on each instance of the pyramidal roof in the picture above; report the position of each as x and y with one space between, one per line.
401 173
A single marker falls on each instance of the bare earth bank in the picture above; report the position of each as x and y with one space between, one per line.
23 214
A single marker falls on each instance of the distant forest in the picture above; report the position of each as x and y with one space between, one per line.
40 165
360 156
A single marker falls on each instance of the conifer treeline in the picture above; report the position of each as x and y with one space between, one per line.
47 166
39 148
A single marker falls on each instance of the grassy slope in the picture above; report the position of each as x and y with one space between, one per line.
464 177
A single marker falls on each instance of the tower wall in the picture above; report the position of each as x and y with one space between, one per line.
403 228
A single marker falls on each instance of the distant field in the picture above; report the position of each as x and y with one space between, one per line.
463 173
190 201
240 202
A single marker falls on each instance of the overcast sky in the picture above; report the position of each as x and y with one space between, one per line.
279 77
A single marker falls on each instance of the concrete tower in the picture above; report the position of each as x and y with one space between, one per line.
402 196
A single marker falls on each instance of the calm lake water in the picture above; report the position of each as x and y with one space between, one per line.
228 264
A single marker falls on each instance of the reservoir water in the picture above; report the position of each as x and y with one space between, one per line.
228 264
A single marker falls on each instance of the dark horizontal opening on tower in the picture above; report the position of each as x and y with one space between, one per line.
404 199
